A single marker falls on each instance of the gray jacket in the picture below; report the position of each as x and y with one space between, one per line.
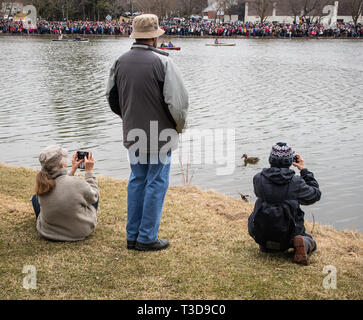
66 213
146 90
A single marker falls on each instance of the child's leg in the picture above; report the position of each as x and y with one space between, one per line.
310 243
304 245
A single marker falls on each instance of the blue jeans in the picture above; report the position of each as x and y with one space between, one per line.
146 192
36 205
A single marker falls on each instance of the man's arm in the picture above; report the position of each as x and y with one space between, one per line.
176 95
112 92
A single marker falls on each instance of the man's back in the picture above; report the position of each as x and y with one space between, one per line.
140 78
146 90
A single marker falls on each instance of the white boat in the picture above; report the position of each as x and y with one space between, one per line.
71 40
220 44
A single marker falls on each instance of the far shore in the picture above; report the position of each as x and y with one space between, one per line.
95 36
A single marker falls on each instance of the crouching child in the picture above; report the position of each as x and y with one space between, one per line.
277 221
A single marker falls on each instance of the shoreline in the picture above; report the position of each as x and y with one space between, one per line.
95 36
308 220
211 254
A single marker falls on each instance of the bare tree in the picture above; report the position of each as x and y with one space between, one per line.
296 8
263 8
8 8
356 7
224 6
2 8
189 7
307 10
312 8
161 8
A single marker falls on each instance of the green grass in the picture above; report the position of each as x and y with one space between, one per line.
211 254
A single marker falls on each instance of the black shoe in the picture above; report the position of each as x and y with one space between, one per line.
159 244
131 245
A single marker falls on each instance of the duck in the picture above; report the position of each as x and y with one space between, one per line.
244 197
251 160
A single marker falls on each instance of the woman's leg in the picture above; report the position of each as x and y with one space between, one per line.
96 204
36 205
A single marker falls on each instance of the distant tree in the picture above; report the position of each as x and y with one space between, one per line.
224 6
356 8
7 7
117 8
238 6
312 8
308 10
263 7
189 7
296 8
161 8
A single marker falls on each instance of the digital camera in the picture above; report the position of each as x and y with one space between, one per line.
80 156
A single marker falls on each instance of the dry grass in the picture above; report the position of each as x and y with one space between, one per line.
211 255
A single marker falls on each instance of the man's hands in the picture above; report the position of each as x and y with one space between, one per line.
89 163
300 164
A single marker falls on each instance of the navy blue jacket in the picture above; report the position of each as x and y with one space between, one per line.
281 185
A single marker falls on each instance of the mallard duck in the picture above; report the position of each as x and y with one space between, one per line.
251 160
244 196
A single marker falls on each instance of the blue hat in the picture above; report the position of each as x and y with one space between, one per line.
281 155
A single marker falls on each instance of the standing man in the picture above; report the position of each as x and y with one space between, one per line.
146 90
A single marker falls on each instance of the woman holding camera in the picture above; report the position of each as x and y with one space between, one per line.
65 205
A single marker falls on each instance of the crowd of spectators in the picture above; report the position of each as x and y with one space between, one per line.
69 27
180 27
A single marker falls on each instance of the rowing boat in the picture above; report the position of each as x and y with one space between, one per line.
71 40
220 44
169 48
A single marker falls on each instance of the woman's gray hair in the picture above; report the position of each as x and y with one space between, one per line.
51 159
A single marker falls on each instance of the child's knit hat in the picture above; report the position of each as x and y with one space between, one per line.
281 155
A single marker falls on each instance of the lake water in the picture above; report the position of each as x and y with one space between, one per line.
305 92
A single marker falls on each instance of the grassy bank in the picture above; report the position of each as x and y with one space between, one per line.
211 255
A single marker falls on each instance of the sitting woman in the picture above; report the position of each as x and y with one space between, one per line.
65 205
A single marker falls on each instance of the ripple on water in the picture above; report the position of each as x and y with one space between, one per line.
268 91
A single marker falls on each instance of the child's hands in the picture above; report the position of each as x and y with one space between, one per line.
300 164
